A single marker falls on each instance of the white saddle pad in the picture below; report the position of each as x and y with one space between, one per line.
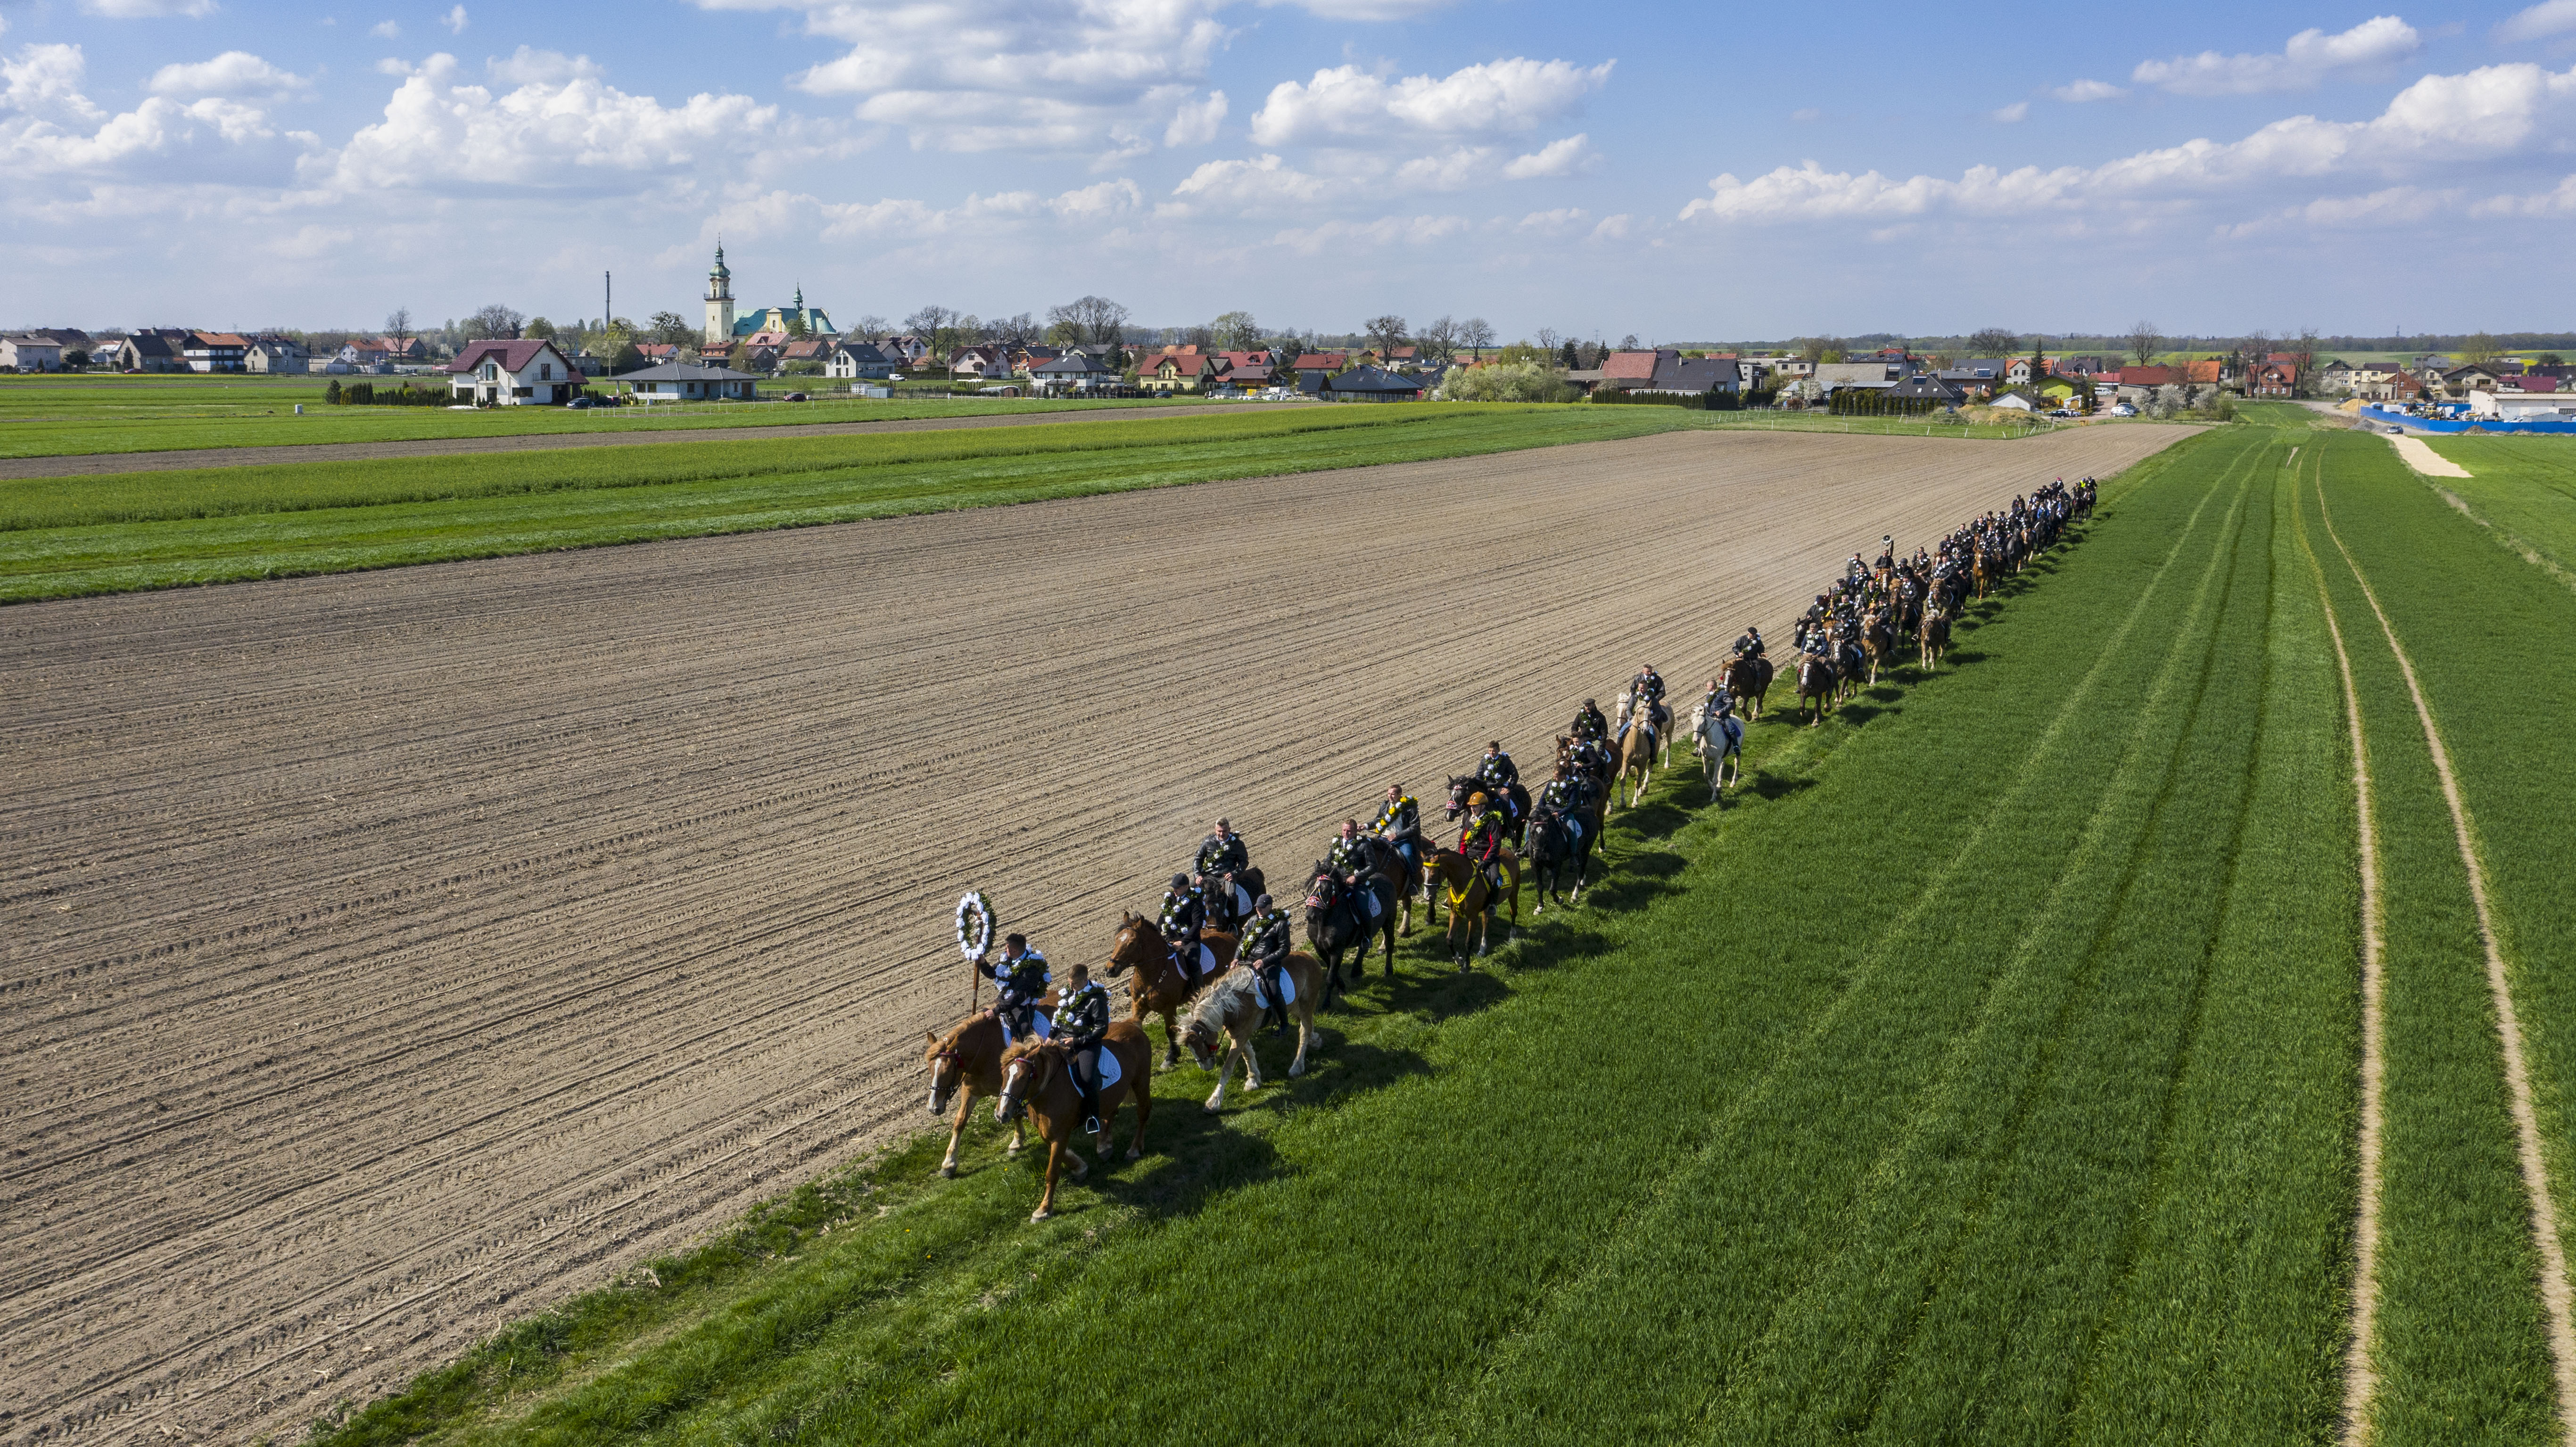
1109 1072
1242 900
1207 959
1287 989
1038 1026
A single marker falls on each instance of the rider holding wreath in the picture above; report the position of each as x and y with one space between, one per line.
1018 981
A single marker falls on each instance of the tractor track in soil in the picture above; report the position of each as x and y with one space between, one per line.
391 954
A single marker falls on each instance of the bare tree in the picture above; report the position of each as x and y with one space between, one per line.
1989 342
1384 333
672 329
1439 339
496 321
2303 355
1549 339
2144 342
872 327
398 325
1094 319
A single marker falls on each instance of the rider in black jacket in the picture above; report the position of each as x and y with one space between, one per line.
1018 981
1080 1020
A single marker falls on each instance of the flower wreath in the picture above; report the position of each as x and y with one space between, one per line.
977 926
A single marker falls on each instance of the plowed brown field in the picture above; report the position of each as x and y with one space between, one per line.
391 954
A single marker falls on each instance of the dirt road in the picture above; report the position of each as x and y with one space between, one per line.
607 434
391 954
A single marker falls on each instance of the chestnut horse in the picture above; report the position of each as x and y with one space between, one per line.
1936 638
1878 639
1637 756
968 1058
1469 903
1161 987
1037 1079
1228 1010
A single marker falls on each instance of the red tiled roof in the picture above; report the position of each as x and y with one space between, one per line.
1637 365
1321 361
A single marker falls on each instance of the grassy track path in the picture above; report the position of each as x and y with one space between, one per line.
2462 1353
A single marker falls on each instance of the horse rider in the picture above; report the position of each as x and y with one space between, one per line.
1646 700
1184 915
1221 857
1590 727
1495 770
1557 795
1265 949
1399 822
1886 553
1749 644
1080 1019
1352 864
1018 981
1481 839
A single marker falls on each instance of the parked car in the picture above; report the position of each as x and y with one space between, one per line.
793 397
578 404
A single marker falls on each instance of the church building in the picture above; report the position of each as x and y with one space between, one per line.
724 327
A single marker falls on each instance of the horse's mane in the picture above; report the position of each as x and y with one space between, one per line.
1023 1048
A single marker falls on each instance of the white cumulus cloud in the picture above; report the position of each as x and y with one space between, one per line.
573 132
2018 110
1195 123
2495 111
2550 17
2079 92
2311 56
1556 158
454 20
1499 97
233 73
147 9
1265 180
386 30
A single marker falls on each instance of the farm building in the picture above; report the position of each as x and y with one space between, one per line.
682 382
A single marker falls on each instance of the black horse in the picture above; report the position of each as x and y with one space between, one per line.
1338 917
1225 911
1557 848
1516 804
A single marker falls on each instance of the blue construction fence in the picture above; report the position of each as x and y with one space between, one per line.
2464 424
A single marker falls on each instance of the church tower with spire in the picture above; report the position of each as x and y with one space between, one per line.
719 332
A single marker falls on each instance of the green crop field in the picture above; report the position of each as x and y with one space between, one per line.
1989 1070
2523 489
125 531
48 416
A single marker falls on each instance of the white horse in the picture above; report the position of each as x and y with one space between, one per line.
1224 1014
1716 736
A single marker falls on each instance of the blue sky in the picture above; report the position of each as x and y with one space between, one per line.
1673 171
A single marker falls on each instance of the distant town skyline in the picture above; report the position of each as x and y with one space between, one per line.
1673 172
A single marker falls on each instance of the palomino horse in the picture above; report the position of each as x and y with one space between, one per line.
1229 1010
1162 987
968 1058
1628 712
1338 917
1037 1079
1717 736
1936 638
1815 681
1637 757
1748 679
1470 904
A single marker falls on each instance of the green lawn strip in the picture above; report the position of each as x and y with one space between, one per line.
2008 1327
1666 1322
2491 641
57 426
741 496
2522 488
868 1290
2231 1327
286 486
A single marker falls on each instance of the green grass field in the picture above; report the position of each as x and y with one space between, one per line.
2523 489
59 416
120 532
1986 1071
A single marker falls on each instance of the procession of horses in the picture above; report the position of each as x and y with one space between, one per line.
1051 1053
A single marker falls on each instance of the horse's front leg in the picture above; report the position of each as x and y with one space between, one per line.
1046 1202
957 1132
1171 1039
1305 1033
1251 1058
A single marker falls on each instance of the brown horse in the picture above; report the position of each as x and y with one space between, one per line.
1161 987
1037 1079
1637 757
1227 1010
1878 640
1748 678
1469 904
1936 639
1815 681
968 1058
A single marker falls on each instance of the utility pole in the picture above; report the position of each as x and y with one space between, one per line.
607 300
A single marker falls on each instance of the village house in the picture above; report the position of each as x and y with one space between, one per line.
1312 368
2273 379
214 351
1371 384
277 356
691 382
980 361
1711 377
855 361
144 352
1074 372
28 352
1184 370
523 373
